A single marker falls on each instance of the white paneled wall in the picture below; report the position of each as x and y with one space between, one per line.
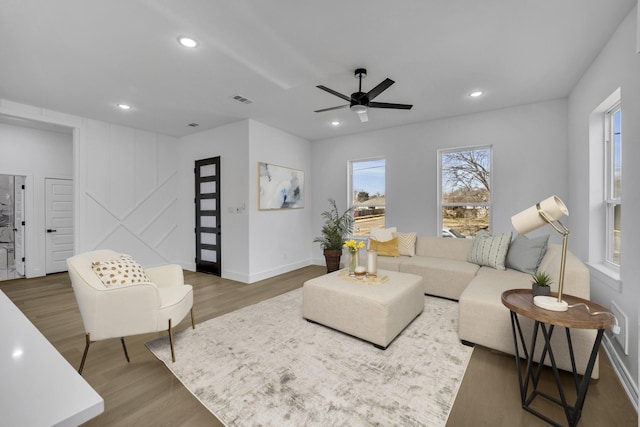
130 191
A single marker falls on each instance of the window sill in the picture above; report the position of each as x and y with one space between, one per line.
607 275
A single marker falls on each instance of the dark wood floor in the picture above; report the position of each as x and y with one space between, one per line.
145 393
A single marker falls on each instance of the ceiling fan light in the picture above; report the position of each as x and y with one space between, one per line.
359 108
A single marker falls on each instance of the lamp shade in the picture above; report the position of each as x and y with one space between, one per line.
529 219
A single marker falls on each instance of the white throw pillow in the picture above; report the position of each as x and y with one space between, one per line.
382 234
407 243
121 271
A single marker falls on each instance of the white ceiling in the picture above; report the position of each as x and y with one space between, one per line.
83 57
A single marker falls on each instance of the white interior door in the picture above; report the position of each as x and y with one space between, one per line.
18 228
59 223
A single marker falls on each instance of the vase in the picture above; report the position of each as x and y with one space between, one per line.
332 258
540 290
353 262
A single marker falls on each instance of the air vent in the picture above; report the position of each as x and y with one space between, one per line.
193 125
242 99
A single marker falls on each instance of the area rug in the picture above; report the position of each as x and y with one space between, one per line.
264 365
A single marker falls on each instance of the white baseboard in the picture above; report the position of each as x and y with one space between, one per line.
279 270
629 384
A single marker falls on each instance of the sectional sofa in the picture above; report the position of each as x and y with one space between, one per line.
483 319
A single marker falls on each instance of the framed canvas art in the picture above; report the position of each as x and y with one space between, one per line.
280 187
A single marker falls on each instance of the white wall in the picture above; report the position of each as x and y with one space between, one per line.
279 240
529 164
231 143
36 154
128 188
125 185
617 66
255 244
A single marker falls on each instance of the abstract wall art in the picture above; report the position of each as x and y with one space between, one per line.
280 187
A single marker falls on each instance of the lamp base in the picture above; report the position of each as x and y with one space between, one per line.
550 303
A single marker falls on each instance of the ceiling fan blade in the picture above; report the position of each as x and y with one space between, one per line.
379 89
331 108
389 105
363 117
333 92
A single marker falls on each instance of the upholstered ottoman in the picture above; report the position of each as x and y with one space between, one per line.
375 312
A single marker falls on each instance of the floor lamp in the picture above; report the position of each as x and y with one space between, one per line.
548 211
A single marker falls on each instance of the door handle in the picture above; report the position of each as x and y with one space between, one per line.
51 231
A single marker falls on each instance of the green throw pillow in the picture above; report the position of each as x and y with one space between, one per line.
526 254
490 251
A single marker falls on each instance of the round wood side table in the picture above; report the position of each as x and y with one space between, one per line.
520 302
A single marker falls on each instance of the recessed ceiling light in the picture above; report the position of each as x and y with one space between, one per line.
187 41
124 106
476 93
335 123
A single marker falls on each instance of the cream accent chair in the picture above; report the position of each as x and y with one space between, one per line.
119 311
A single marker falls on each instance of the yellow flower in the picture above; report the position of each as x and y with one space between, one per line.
353 246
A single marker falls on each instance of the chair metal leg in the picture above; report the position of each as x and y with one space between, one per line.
87 338
124 347
173 354
193 322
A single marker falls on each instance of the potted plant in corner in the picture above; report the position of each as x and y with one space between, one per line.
334 232
540 285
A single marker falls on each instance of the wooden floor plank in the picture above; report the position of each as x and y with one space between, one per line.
144 392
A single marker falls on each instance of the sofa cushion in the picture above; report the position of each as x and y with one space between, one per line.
389 248
442 277
439 247
406 243
490 250
391 263
525 254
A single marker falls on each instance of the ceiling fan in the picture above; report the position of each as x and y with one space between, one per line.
360 102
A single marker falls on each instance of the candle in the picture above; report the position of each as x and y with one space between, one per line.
372 263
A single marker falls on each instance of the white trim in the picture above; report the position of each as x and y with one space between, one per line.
626 380
609 276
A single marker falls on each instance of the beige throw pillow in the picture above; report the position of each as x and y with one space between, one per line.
407 243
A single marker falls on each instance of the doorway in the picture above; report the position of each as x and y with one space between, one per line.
59 223
207 200
11 226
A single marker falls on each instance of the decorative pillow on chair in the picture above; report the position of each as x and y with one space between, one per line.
389 248
526 254
406 243
490 250
123 270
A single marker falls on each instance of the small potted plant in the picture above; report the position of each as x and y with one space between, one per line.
541 284
335 230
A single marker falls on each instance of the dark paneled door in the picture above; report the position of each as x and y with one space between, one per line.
208 259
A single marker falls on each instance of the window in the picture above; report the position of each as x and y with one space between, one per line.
367 194
464 191
613 183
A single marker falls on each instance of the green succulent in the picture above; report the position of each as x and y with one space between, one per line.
541 279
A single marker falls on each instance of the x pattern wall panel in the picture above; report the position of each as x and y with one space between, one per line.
131 192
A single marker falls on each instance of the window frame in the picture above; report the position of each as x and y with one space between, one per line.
351 192
610 201
441 205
